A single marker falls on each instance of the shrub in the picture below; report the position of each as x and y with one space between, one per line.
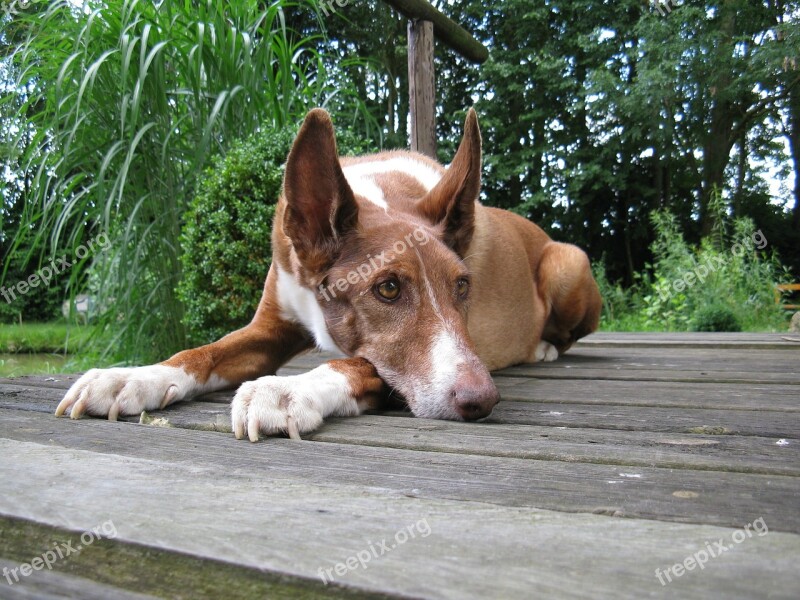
42 303
112 110
736 272
725 284
715 317
226 233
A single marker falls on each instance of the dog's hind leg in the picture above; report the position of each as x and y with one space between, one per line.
298 404
570 295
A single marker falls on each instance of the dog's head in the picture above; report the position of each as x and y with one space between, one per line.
391 282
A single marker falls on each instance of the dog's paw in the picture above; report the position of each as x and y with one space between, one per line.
125 391
291 405
546 352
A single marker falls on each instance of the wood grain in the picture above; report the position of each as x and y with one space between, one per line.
628 454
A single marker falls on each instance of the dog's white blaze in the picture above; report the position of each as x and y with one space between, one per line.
299 304
446 354
361 176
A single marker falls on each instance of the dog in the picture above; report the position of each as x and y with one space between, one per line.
391 259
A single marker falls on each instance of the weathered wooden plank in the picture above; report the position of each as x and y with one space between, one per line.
743 396
644 418
167 545
691 340
631 364
52 585
744 454
645 364
633 449
670 419
772 361
748 454
653 493
549 371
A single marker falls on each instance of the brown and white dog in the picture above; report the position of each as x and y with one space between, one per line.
391 259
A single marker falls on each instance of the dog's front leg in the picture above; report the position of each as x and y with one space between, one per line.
258 349
299 403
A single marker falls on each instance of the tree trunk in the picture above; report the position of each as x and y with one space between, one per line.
741 175
718 143
794 146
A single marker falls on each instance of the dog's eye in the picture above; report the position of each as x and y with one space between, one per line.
462 287
389 290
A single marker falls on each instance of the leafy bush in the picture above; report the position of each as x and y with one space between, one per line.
716 317
42 303
116 108
227 230
725 284
621 307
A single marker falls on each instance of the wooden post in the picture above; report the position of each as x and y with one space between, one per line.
447 31
422 104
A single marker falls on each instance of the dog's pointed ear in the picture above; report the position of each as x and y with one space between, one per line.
320 207
452 201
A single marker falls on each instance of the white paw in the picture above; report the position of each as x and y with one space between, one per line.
126 391
546 352
291 405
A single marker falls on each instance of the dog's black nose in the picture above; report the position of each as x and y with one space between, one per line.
474 396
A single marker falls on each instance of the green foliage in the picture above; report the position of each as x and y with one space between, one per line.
43 337
619 305
226 236
125 103
593 115
227 230
40 304
725 284
716 317
54 347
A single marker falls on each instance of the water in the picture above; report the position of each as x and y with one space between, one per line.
13 365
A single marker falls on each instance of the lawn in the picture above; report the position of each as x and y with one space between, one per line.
41 348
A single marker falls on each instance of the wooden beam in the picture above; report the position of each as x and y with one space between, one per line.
447 30
421 87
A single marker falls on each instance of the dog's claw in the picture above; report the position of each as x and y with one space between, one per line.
291 429
126 391
252 429
78 408
113 412
169 396
62 406
287 405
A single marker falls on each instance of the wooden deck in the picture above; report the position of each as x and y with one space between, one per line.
632 453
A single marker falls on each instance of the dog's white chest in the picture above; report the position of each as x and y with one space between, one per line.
299 304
